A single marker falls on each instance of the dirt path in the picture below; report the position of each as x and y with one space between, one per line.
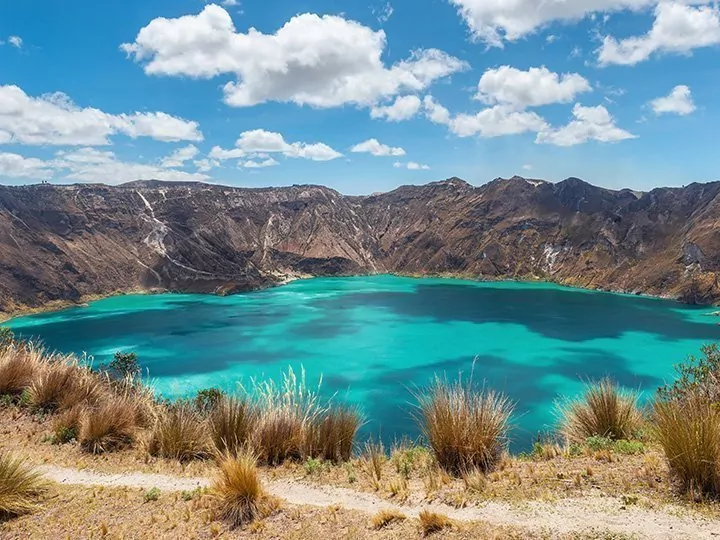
591 513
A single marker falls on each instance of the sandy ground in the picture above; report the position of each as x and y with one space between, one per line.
562 517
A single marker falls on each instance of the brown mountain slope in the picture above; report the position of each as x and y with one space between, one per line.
63 243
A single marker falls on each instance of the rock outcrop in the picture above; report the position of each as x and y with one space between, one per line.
66 243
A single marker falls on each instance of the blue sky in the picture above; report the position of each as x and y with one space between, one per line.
360 96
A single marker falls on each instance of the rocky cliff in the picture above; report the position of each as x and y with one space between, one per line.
65 243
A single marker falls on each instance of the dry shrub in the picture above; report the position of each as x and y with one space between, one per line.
689 432
466 428
605 410
431 522
387 517
373 460
20 487
332 435
241 494
18 366
286 412
179 433
66 426
232 422
61 384
109 426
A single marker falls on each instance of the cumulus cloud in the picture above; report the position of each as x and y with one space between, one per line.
254 164
532 88
260 143
678 28
15 41
17 166
376 148
180 156
205 165
496 21
319 61
404 108
53 119
267 142
590 124
491 122
679 101
89 165
411 165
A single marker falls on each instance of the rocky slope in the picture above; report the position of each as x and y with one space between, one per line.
64 243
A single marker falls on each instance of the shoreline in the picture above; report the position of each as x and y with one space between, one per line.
286 279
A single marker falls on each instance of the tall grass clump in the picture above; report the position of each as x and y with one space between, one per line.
239 490
20 487
466 428
286 412
109 426
61 383
689 432
605 410
331 435
179 433
18 366
232 422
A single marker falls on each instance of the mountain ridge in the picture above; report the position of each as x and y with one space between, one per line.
62 244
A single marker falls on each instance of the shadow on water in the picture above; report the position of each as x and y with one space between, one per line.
565 314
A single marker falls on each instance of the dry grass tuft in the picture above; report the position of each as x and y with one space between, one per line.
387 517
179 433
66 426
286 413
431 522
20 487
18 365
109 426
61 384
373 460
466 428
331 436
689 433
242 497
232 422
604 411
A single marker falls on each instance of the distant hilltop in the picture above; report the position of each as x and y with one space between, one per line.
63 244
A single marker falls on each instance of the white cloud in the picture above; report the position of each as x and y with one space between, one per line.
535 87
590 124
491 122
495 21
678 28
527 167
411 165
679 101
261 141
180 156
376 148
17 166
15 41
404 108
53 119
230 3
94 166
319 61
89 165
251 164
205 165
221 154
383 14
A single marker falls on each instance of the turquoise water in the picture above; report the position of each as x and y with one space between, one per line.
374 339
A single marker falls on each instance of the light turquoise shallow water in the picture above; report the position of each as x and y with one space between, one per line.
375 338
